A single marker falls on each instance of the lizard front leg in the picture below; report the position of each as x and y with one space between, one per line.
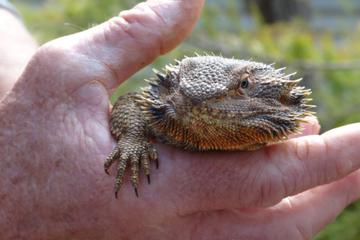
129 128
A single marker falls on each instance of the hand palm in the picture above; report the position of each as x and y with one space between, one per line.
63 95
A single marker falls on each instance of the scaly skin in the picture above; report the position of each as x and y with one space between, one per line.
205 103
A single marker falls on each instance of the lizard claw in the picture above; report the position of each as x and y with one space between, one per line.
136 192
137 154
115 154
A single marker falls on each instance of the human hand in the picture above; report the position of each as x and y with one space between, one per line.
54 137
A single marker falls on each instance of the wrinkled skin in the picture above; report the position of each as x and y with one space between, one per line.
54 135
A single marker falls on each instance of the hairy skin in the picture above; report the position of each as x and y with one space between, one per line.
205 103
54 135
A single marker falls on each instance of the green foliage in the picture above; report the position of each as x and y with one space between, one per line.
56 18
346 226
327 60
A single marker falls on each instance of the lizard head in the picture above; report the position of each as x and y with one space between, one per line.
220 79
266 85
232 94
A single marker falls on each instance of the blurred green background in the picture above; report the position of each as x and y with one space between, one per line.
320 39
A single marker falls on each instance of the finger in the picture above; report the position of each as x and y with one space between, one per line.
119 47
261 178
297 217
82 69
312 210
310 127
318 160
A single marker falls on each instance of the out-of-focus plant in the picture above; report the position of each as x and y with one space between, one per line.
54 18
328 61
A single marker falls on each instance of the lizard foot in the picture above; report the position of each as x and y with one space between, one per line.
136 154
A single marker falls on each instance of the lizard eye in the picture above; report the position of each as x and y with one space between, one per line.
244 83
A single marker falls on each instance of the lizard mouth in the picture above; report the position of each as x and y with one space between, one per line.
292 99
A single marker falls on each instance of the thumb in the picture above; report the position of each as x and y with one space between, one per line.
134 38
110 52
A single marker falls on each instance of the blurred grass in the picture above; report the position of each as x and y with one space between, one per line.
328 61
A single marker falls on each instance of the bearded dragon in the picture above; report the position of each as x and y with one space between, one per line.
205 103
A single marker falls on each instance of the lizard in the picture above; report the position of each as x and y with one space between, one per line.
205 103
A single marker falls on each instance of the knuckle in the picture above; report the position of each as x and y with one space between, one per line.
302 150
342 166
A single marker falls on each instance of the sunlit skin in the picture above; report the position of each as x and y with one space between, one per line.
54 136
